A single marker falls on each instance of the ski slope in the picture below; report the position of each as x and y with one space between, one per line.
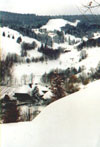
73 121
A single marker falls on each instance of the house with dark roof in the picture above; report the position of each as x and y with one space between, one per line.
22 97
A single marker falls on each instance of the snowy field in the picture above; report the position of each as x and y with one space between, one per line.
56 24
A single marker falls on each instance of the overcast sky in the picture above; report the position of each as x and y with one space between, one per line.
43 7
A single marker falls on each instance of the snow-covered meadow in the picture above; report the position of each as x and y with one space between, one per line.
56 24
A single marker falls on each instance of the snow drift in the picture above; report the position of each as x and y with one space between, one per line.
73 121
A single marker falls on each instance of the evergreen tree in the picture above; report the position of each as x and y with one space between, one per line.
8 36
13 37
35 94
3 34
69 40
57 87
19 40
0 111
11 112
23 52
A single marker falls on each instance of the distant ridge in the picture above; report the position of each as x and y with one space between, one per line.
10 19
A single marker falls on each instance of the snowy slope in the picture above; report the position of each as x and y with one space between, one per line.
9 44
66 60
56 24
73 121
70 59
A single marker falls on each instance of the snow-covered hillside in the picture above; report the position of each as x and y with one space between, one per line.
66 60
56 24
70 49
73 121
8 43
8 39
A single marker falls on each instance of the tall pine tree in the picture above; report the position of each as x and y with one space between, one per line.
57 87
11 111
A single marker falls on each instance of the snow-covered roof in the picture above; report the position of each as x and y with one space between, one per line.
23 89
73 121
47 95
27 89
